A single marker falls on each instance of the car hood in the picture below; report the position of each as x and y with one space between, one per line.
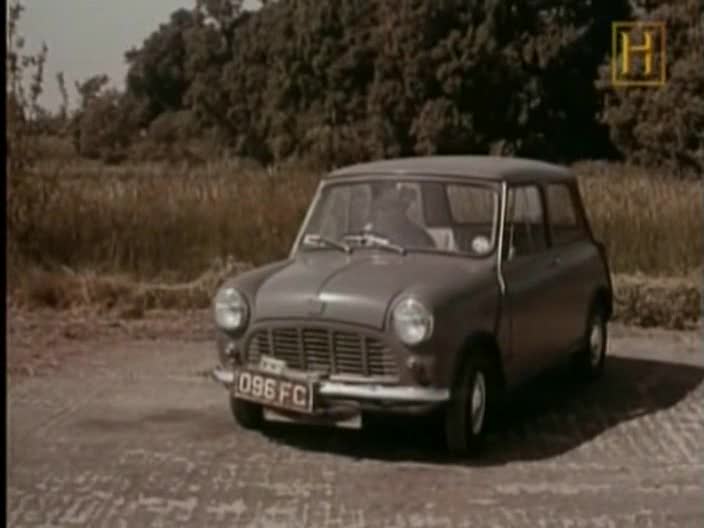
355 288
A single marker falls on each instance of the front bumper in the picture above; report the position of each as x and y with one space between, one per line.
372 397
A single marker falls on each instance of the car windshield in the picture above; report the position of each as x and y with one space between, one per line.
401 216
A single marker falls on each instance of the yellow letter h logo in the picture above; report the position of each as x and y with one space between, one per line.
652 49
629 49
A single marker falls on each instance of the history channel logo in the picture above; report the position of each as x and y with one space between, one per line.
638 54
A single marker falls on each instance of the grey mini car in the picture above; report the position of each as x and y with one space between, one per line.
418 285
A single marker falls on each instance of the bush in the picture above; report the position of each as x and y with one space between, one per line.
106 127
674 303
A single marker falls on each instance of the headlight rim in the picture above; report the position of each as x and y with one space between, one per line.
427 313
221 303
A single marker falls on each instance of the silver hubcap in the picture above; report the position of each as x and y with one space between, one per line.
596 343
478 402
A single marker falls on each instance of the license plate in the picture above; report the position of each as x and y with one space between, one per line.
274 390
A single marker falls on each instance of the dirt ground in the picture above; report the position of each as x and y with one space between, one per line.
115 423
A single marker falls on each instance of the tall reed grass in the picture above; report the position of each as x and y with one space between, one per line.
171 222
650 224
164 221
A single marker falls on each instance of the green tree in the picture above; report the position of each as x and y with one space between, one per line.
316 92
107 120
24 86
492 76
157 71
208 50
365 79
664 126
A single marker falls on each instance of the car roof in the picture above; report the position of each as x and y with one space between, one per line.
493 168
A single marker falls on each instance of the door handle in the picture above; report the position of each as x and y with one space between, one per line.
556 261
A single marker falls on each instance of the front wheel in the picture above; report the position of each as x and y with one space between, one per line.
247 414
471 401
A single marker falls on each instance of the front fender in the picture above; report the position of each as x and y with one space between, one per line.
248 283
457 322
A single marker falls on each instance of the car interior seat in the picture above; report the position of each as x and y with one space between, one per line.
443 237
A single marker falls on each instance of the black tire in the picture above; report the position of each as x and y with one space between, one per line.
591 358
465 423
247 414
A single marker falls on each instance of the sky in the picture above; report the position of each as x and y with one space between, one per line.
87 37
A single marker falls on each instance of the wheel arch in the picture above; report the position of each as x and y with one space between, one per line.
603 296
485 343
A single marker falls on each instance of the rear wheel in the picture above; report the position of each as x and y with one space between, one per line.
247 414
591 358
471 402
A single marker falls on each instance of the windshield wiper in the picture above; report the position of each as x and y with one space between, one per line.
313 238
369 239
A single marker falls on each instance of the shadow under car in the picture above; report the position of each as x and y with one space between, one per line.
547 417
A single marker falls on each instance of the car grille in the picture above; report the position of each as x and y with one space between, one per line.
323 350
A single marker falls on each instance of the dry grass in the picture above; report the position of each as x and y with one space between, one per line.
650 224
119 294
158 221
171 222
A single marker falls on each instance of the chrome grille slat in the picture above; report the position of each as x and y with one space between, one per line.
334 352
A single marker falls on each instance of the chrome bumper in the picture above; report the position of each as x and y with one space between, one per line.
332 389
224 376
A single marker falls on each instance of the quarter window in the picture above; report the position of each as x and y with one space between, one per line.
566 224
525 222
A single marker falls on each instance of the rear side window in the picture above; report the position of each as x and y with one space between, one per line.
525 222
566 224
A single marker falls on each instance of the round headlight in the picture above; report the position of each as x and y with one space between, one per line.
230 309
412 321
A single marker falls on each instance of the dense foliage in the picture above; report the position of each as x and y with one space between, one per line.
366 79
665 126
338 82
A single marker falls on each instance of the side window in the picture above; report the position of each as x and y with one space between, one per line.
471 204
566 224
525 222
472 213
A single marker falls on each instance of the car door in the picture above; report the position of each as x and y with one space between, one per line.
532 291
575 257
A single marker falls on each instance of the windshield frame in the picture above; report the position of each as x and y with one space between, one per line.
494 186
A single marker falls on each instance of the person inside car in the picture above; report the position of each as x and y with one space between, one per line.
391 206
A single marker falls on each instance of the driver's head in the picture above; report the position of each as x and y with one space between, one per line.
389 197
